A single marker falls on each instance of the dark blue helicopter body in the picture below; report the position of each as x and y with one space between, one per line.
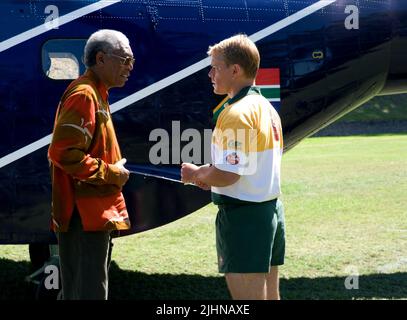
332 56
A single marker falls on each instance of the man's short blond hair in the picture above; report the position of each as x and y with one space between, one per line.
240 50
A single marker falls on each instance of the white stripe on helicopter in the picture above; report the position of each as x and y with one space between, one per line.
141 94
46 26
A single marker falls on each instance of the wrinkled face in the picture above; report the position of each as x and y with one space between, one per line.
117 67
221 75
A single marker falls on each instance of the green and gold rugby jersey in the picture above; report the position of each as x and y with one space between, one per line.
248 141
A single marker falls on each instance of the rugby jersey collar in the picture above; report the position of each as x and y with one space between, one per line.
242 93
249 90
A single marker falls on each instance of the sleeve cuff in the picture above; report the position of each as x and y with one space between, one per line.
113 175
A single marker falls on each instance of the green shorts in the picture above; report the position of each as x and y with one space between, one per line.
251 237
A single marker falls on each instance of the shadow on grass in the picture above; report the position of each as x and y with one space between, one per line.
132 285
135 285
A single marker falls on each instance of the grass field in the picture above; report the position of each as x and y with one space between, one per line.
346 215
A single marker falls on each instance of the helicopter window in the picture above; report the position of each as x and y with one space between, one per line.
61 58
62 66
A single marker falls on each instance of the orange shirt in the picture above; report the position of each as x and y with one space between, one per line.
82 151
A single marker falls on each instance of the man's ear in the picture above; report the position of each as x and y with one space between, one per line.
237 70
100 58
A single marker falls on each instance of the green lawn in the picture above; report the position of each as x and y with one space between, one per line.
346 214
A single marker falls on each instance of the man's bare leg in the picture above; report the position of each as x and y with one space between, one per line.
247 286
273 284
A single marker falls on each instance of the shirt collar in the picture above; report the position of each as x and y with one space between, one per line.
243 93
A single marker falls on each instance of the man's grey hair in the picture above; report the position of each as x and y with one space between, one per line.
104 40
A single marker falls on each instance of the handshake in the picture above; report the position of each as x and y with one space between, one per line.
190 174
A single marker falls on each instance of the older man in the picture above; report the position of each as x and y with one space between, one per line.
87 168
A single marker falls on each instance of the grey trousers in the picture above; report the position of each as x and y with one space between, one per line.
84 262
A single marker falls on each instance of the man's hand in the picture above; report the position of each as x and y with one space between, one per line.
124 173
188 175
202 185
188 172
